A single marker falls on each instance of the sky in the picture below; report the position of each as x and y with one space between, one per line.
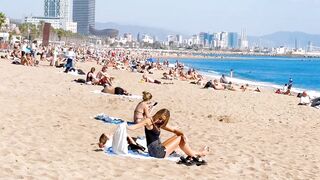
258 17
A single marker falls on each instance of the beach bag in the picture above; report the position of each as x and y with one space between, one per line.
119 142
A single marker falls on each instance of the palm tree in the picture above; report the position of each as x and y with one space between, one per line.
60 33
2 19
30 31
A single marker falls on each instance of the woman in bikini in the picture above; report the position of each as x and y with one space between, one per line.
153 126
143 109
91 77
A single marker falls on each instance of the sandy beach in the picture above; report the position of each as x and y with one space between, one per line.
47 129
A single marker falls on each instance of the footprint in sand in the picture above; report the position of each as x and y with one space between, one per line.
225 119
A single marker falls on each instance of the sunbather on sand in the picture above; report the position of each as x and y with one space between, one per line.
143 109
167 76
305 99
157 149
104 78
133 145
115 90
150 80
91 77
217 86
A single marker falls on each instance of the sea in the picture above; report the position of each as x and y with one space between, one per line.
268 71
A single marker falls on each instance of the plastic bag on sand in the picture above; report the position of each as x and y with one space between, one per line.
119 142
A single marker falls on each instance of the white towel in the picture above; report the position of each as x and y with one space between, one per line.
114 95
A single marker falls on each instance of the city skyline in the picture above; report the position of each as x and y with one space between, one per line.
259 18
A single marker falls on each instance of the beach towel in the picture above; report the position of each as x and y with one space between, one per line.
138 155
110 120
119 141
114 95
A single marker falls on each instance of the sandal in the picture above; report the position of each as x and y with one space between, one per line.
198 161
186 161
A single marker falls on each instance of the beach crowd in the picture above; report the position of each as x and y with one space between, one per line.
140 61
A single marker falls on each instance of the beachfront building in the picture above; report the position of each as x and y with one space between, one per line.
243 41
281 50
128 37
54 21
179 39
84 15
171 40
222 40
58 13
52 8
147 39
206 39
233 40
61 9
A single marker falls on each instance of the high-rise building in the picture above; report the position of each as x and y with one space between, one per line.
243 41
52 8
179 39
223 40
233 40
84 15
61 9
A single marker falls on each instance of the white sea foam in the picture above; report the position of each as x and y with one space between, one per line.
216 75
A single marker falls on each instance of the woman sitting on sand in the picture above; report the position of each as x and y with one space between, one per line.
91 77
115 90
143 109
26 60
157 149
182 76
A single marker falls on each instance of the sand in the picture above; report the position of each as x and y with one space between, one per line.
47 130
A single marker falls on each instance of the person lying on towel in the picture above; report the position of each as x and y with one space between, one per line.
133 145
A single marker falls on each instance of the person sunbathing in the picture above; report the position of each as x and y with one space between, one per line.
167 76
157 149
217 86
143 109
145 78
104 78
305 99
223 79
115 90
132 144
182 76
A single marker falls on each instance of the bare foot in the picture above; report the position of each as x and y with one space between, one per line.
204 151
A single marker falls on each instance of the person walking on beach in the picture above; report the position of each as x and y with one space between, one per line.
70 60
231 73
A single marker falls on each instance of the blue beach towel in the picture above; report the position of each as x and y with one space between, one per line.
110 120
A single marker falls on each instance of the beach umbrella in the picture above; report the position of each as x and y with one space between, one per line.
152 60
